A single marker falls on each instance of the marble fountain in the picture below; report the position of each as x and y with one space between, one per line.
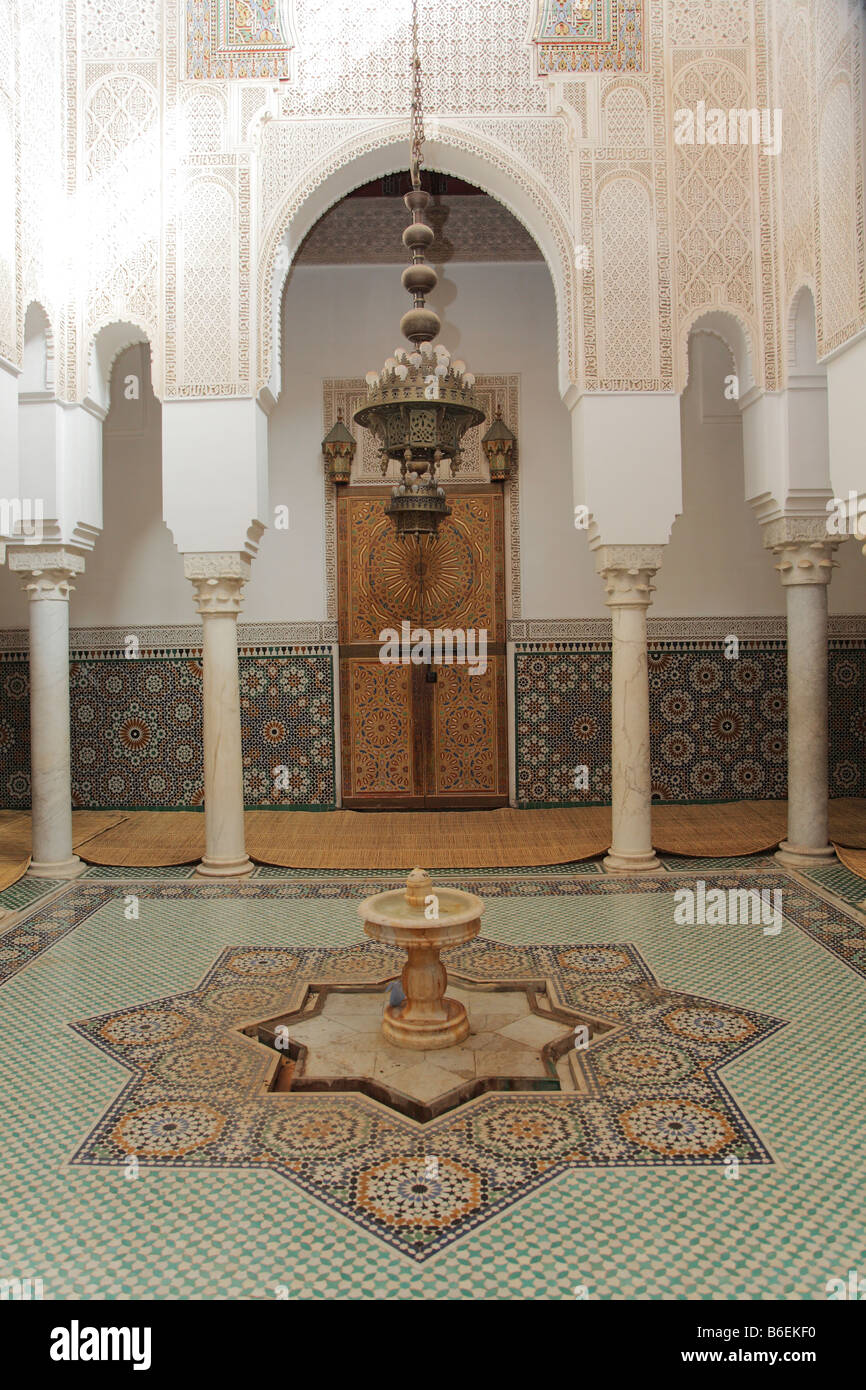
422 923
444 1044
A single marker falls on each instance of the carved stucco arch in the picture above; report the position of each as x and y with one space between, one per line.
379 150
734 330
625 170
107 341
49 382
806 286
619 84
204 92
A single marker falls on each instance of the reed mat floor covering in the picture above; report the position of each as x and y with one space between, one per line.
437 839
441 839
746 827
148 839
366 840
853 859
730 828
15 837
848 822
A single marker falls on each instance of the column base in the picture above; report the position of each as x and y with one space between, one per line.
615 862
63 868
224 868
803 856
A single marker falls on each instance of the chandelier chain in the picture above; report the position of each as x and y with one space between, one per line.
417 108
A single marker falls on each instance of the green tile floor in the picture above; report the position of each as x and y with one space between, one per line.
775 1232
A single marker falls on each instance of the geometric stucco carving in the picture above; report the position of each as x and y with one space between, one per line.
153 188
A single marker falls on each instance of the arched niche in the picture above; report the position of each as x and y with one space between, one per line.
37 364
381 151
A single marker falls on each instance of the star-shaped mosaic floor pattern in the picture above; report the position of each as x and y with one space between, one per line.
199 1097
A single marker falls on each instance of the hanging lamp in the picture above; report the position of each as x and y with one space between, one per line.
421 403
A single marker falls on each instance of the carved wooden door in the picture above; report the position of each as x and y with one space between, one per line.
406 741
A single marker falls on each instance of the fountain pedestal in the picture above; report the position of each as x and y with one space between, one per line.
428 1019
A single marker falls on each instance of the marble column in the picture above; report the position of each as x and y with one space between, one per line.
628 571
218 581
804 559
46 577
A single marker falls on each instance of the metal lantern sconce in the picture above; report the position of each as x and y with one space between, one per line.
499 445
338 447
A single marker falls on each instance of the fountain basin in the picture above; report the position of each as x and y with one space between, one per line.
423 921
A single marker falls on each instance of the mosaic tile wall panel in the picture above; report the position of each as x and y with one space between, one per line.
137 730
718 727
14 732
847 680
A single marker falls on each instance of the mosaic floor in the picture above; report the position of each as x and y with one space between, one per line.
715 1153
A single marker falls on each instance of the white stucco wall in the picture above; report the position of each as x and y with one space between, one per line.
715 562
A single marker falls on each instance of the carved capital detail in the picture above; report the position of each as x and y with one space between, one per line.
803 549
218 579
46 573
628 572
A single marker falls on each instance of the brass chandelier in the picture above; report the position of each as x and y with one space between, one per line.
420 405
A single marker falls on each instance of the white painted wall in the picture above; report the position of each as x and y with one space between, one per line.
715 562
134 574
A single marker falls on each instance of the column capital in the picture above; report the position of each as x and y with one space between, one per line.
218 578
803 548
628 571
46 572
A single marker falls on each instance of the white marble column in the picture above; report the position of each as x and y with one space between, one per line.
46 577
218 581
804 558
628 571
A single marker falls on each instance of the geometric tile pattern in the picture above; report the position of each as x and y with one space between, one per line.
136 730
287 721
14 732
846 678
26 891
850 887
718 726
666 1232
198 1094
23 942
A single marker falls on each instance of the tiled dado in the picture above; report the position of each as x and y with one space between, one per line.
718 726
137 726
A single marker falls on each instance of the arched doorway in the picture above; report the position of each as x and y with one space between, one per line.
421 624
523 340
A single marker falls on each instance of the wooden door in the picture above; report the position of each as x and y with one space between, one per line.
408 742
